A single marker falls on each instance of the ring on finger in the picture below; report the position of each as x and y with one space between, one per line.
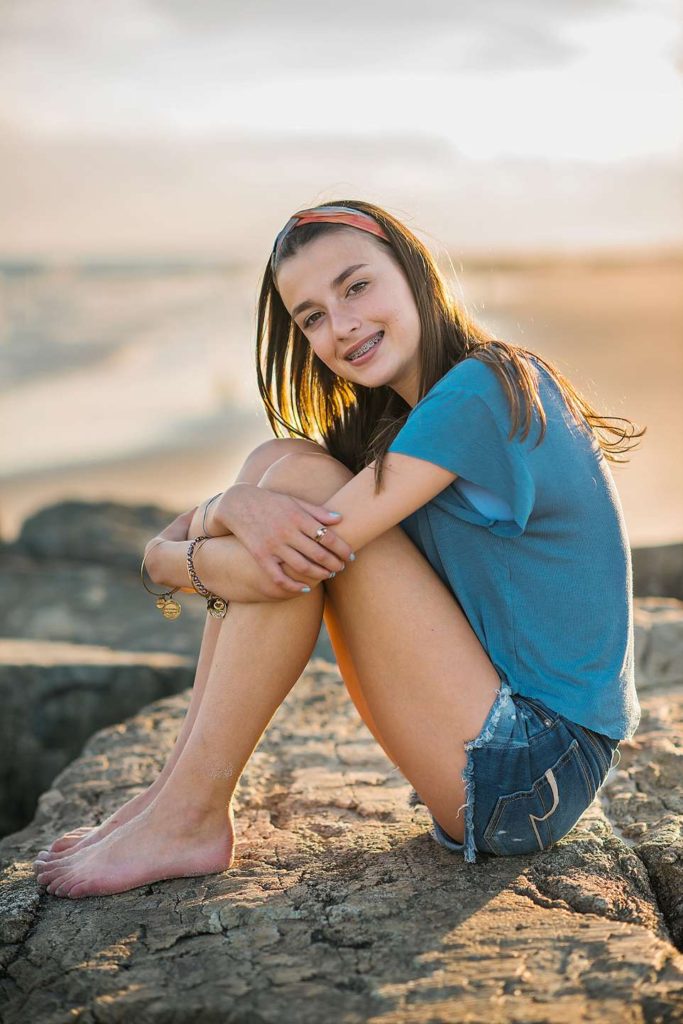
320 532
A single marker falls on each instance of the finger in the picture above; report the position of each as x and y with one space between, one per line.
331 540
333 552
320 511
309 566
275 570
299 577
317 552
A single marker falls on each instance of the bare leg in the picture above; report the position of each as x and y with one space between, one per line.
426 696
261 651
251 472
80 838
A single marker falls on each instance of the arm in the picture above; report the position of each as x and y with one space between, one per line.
204 522
223 564
226 568
408 483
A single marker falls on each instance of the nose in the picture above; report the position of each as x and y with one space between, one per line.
343 322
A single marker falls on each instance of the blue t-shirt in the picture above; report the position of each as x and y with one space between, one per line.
532 543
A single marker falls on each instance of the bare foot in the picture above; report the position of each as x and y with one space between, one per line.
87 835
160 842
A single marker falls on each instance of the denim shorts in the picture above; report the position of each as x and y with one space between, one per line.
530 775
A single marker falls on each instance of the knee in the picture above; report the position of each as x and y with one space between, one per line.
317 474
269 452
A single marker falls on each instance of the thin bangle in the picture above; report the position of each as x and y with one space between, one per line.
142 566
169 608
209 502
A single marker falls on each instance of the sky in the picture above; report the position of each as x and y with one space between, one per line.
196 126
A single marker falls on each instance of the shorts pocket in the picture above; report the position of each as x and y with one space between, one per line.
533 819
603 760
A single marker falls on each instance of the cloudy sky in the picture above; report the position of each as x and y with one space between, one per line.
149 127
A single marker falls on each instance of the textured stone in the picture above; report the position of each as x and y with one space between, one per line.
658 571
99 603
643 798
658 624
105 532
340 907
54 696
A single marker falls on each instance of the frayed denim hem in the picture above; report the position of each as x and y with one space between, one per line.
503 697
501 700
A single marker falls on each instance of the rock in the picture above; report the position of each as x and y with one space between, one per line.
643 799
46 596
92 604
106 532
98 603
54 696
658 571
658 625
339 905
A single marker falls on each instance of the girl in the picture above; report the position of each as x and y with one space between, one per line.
485 630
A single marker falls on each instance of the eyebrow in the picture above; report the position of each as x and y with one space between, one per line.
307 303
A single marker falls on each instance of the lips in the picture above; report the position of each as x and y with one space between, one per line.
361 343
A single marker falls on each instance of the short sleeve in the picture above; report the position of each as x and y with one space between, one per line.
461 432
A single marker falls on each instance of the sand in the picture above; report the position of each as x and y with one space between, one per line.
615 328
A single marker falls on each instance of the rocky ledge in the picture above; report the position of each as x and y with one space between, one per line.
341 907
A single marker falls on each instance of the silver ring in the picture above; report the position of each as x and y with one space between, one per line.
332 575
320 532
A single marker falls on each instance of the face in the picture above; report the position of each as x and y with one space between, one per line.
343 290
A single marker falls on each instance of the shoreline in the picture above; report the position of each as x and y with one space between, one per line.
178 478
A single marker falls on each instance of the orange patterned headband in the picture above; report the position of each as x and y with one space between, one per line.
327 215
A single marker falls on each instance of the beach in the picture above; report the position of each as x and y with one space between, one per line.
137 383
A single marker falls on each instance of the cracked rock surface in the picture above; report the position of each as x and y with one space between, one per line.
341 907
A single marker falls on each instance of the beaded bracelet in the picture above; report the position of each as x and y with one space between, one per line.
215 606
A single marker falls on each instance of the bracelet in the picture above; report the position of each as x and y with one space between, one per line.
169 608
216 606
209 502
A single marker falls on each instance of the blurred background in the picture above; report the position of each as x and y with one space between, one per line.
150 150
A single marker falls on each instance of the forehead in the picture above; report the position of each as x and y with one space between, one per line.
309 273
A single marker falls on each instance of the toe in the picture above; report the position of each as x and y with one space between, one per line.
63 888
57 884
53 871
78 890
64 842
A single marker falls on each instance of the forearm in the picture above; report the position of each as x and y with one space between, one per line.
204 521
223 565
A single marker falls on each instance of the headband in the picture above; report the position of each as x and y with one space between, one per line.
327 215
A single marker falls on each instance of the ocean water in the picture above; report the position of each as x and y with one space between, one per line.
138 383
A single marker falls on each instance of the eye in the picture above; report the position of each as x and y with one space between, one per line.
310 322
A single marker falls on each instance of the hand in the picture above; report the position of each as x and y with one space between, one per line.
176 530
279 532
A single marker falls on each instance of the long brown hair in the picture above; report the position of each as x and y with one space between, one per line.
304 398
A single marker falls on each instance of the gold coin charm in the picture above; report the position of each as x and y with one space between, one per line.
171 610
217 607
160 602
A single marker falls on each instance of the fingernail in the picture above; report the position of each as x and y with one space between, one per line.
352 557
306 590
335 513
